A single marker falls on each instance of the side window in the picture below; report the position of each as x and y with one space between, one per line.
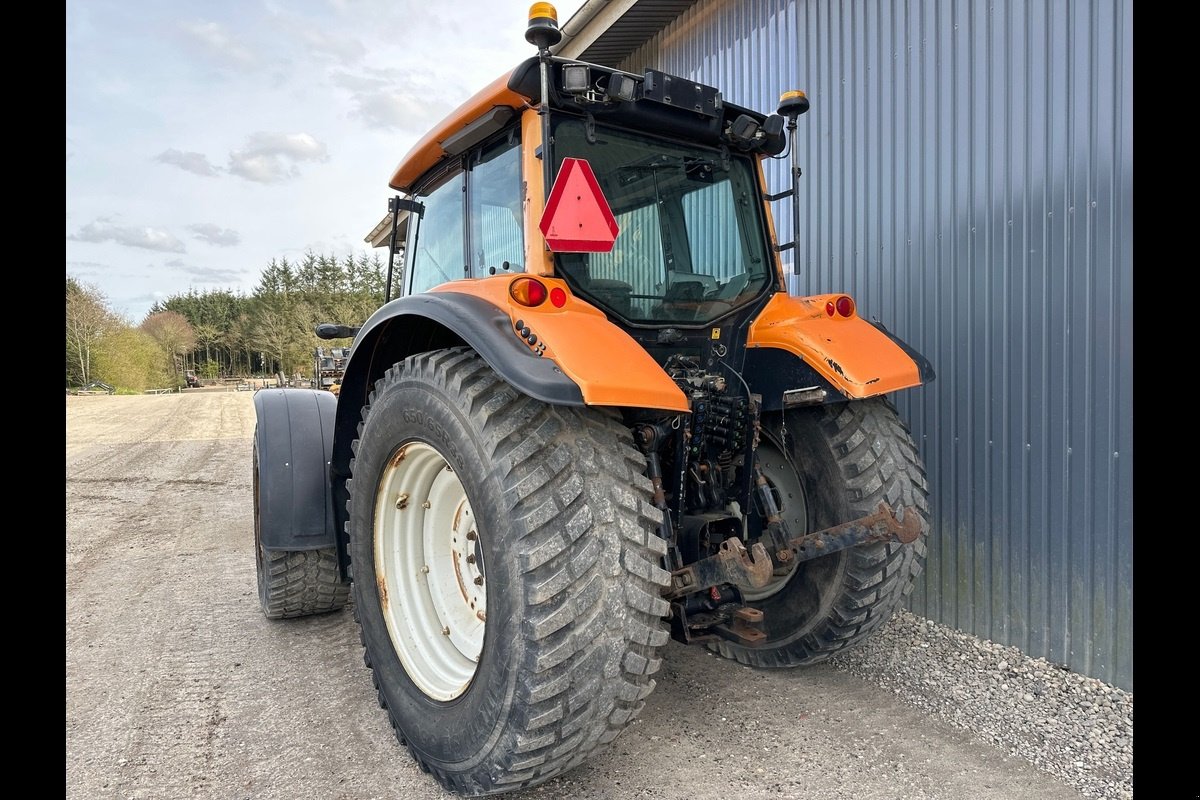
437 238
494 187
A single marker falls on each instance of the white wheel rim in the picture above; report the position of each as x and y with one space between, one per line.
429 570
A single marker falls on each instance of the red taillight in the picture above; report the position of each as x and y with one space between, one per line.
843 305
528 292
558 298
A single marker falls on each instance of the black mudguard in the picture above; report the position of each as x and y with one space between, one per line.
294 437
431 320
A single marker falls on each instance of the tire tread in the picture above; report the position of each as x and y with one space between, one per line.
589 561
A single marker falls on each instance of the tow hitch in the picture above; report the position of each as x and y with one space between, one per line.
723 614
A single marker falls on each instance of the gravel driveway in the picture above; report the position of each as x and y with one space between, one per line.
178 687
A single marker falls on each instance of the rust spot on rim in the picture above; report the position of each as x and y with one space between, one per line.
381 584
462 587
400 455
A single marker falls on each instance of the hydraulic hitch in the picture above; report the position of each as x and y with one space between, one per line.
754 567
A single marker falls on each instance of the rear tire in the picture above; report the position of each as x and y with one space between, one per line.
566 562
845 459
295 583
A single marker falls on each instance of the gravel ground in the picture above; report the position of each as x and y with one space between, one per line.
178 687
1076 728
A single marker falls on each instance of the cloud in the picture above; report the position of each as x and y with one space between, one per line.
273 157
315 37
378 104
214 234
218 275
216 42
342 48
196 163
214 274
130 236
148 299
389 110
363 81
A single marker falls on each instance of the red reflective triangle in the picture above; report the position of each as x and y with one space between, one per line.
577 218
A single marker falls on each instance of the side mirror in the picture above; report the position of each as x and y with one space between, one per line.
330 330
773 138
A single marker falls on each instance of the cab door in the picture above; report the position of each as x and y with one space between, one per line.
470 222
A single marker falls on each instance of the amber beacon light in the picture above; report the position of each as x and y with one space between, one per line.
543 26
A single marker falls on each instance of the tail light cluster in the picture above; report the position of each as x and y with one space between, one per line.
532 292
840 306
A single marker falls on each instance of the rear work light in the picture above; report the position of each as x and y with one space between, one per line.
528 291
843 306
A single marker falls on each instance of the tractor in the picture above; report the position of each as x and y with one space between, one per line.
591 420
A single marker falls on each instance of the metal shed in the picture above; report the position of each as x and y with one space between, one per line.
969 173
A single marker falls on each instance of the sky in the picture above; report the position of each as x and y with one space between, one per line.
205 139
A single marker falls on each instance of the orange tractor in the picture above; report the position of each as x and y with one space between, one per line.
591 421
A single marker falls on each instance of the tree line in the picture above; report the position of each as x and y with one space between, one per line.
220 333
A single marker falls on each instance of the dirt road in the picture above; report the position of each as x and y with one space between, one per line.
178 687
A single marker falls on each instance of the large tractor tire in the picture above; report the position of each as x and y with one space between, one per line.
827 465
294 583
506 573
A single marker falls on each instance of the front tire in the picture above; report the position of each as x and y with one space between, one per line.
551 503
830 464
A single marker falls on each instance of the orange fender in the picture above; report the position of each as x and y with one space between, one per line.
610 368
858 358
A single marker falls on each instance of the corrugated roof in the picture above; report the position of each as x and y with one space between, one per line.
630 31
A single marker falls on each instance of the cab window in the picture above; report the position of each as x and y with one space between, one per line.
437 238
494 188
471 222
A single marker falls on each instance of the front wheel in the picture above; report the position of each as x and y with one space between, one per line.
507 573
827 465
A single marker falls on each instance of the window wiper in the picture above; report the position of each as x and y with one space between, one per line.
632 173
696 169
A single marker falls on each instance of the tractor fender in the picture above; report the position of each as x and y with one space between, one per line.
857 357
572 355
432 320
294 439
568 355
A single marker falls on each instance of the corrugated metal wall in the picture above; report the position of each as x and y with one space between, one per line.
968 178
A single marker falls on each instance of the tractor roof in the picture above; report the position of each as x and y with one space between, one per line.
429 150
697 114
